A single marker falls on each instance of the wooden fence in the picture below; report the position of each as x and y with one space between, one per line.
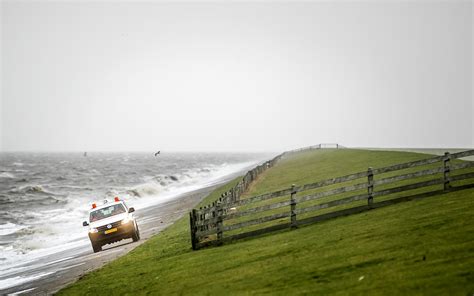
240 218
234 193
319 146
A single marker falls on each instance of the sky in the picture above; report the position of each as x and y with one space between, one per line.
235 76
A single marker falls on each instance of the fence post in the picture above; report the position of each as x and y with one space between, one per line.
201 217
219 223
446 161
293 207
370 187
192 224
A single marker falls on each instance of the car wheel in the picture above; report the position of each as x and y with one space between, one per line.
96 247
136 235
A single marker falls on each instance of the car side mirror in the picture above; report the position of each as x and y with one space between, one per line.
85 223
131 210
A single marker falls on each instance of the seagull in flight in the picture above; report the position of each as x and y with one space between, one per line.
156 153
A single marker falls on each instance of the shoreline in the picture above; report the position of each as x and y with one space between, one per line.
167 265
68 266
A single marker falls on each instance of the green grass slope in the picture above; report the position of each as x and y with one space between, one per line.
423 246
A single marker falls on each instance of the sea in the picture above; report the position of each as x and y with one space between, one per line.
45 197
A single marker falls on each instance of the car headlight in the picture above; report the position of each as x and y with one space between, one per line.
93 230
126 220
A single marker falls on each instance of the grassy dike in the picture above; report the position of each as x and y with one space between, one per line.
419 247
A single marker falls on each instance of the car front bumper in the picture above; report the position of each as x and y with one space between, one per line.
123 231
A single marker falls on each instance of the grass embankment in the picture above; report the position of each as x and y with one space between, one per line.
420 247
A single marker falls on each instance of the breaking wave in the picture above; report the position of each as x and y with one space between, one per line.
42 208
31 189
144 190
9 228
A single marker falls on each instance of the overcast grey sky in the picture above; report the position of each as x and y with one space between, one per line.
236 76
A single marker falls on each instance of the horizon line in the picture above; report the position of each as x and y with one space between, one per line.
218 151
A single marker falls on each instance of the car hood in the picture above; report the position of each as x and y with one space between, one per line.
108 220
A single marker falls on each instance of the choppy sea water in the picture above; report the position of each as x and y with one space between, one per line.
44 197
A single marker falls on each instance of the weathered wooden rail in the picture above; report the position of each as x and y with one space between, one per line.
238 218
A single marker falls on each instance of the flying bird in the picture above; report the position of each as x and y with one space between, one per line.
156 153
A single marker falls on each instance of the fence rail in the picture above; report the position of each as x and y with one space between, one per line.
209 224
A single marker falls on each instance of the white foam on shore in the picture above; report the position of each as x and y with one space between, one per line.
19 261
61 229
52 231
215 176
9 228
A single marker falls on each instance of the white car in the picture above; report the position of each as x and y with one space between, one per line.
111 222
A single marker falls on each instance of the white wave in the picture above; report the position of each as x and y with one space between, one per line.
58 227
31 188
16 258
7 175
74 187
35 189
18 164
9 228
142 190
49 231
188 181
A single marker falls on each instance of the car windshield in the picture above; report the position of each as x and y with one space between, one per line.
107 212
